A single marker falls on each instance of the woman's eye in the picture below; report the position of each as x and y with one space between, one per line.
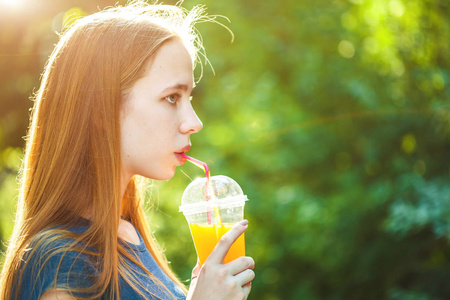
172 99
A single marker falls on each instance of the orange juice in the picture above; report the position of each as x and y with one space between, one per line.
206 236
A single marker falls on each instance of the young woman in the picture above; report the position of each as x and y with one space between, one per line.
114 103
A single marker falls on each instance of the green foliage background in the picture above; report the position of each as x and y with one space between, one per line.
332 115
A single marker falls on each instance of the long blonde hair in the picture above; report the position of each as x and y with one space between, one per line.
72 158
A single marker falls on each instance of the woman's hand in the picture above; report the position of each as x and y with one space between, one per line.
216 280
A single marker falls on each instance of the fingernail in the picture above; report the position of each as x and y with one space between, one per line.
244 222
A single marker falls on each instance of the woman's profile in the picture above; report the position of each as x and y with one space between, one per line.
114 104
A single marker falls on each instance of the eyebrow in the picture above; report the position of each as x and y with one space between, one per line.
178 86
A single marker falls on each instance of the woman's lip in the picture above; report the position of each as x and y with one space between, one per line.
185 149
180 158
179 154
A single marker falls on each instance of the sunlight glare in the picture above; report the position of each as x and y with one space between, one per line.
11 3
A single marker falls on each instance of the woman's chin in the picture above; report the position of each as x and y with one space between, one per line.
161 176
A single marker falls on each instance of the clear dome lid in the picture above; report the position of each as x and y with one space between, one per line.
226 193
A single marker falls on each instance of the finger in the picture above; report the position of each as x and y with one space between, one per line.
225 242
196 269
245 277
246 289
240 264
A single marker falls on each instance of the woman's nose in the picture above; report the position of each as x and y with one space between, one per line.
191 123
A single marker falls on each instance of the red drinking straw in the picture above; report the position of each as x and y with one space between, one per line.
205 168
198 163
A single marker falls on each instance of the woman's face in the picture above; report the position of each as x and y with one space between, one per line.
157 117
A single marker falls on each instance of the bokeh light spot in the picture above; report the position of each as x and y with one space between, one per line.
348 21
396 8
371 45
57 22
408 143
346 49
371 17
438 81
419 167
72 15
398 68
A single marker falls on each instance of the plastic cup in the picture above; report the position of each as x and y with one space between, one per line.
210 219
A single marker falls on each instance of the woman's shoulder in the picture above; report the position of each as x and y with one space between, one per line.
57 235
56 239
56 244
55 258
